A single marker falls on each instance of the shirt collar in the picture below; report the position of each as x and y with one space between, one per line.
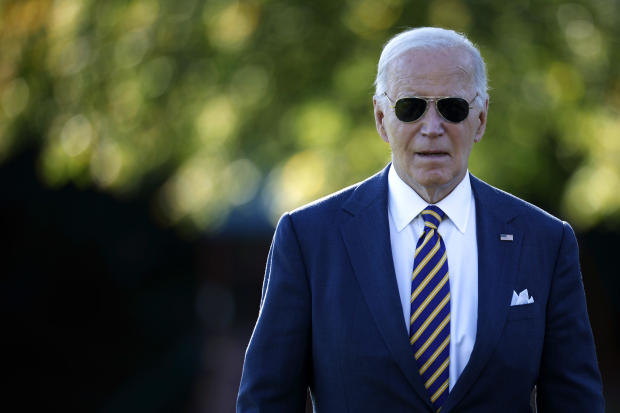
405 204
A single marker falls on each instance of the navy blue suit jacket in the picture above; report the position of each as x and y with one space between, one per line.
331 319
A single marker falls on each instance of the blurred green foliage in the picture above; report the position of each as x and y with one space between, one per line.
209 105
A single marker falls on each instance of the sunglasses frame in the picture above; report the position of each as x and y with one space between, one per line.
433 99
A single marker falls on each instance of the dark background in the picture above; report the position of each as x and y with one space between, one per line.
105 311
147 148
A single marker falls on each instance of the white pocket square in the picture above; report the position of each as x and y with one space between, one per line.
522 298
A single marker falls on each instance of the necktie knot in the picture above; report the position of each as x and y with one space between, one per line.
432 216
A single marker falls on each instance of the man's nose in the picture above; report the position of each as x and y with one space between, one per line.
432 122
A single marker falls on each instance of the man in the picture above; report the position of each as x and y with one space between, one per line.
422 288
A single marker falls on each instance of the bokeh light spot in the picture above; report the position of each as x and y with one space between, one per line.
194 193
564 83
106 163
131 48
141 13
242 178
319 124
591 194
231 27
582 36
53 165
217 121
76 136
301 179
367 17
65 17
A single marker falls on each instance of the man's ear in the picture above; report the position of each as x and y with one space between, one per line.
379 118
482 119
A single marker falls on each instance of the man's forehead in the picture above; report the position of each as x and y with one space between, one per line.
431 65
456 56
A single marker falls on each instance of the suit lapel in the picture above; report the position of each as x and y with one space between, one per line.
498 263
367 238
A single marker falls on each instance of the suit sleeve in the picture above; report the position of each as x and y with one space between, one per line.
569 379
276 366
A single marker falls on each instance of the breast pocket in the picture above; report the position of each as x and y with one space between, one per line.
524 312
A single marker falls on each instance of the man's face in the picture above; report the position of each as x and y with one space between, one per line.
431 154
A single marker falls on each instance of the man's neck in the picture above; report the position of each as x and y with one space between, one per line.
434 193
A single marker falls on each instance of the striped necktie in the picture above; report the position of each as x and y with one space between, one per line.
429 329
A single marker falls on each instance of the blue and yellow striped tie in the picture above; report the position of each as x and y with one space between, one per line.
429 328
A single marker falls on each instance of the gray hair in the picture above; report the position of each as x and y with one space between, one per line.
430 38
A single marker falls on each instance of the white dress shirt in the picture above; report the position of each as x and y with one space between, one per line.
458 230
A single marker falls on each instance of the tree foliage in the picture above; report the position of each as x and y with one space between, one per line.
212 105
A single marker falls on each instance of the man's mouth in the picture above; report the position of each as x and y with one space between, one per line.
432 154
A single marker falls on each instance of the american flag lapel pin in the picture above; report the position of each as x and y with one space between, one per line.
506 237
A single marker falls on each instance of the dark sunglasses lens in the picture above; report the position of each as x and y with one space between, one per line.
409 109
453 109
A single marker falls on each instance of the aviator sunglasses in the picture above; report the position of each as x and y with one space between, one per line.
410 109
